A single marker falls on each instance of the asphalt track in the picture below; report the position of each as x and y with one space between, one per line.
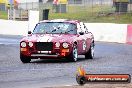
110 58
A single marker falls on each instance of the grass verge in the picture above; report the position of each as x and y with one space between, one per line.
95 14
3 15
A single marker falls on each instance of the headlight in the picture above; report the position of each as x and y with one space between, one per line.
57 44
65 45
30 44
23 44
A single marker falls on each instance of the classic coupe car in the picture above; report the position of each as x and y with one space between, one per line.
57 39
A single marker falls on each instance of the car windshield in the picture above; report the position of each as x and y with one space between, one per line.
55 28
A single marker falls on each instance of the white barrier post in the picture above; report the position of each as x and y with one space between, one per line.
33 19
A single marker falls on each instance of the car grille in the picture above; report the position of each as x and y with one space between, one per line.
44 46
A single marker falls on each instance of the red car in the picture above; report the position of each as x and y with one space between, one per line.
57 39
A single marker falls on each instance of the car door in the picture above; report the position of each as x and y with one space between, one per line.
82 39
88 36
79 38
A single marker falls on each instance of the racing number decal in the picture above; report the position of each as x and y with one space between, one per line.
84 45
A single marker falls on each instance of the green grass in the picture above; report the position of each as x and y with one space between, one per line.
88 14
3 15
92 14
122 18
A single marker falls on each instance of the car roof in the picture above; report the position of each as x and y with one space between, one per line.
61 20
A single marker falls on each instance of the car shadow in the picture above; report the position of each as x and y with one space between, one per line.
63 60
41 61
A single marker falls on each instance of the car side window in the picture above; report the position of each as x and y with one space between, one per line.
82 27
78 28
86 30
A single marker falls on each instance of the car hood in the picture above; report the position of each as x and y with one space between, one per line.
50 38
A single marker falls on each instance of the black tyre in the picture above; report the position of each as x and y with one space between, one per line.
80 80
74 54
25 59
90 53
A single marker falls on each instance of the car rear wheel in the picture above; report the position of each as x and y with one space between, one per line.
25 59
90 53
74 55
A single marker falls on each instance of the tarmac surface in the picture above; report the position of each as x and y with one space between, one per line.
110 58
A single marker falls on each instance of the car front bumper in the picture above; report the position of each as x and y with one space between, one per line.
47 54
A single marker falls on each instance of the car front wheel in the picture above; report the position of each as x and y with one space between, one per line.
74 54
24 59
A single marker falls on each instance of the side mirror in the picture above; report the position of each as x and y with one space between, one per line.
29 32
81 33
